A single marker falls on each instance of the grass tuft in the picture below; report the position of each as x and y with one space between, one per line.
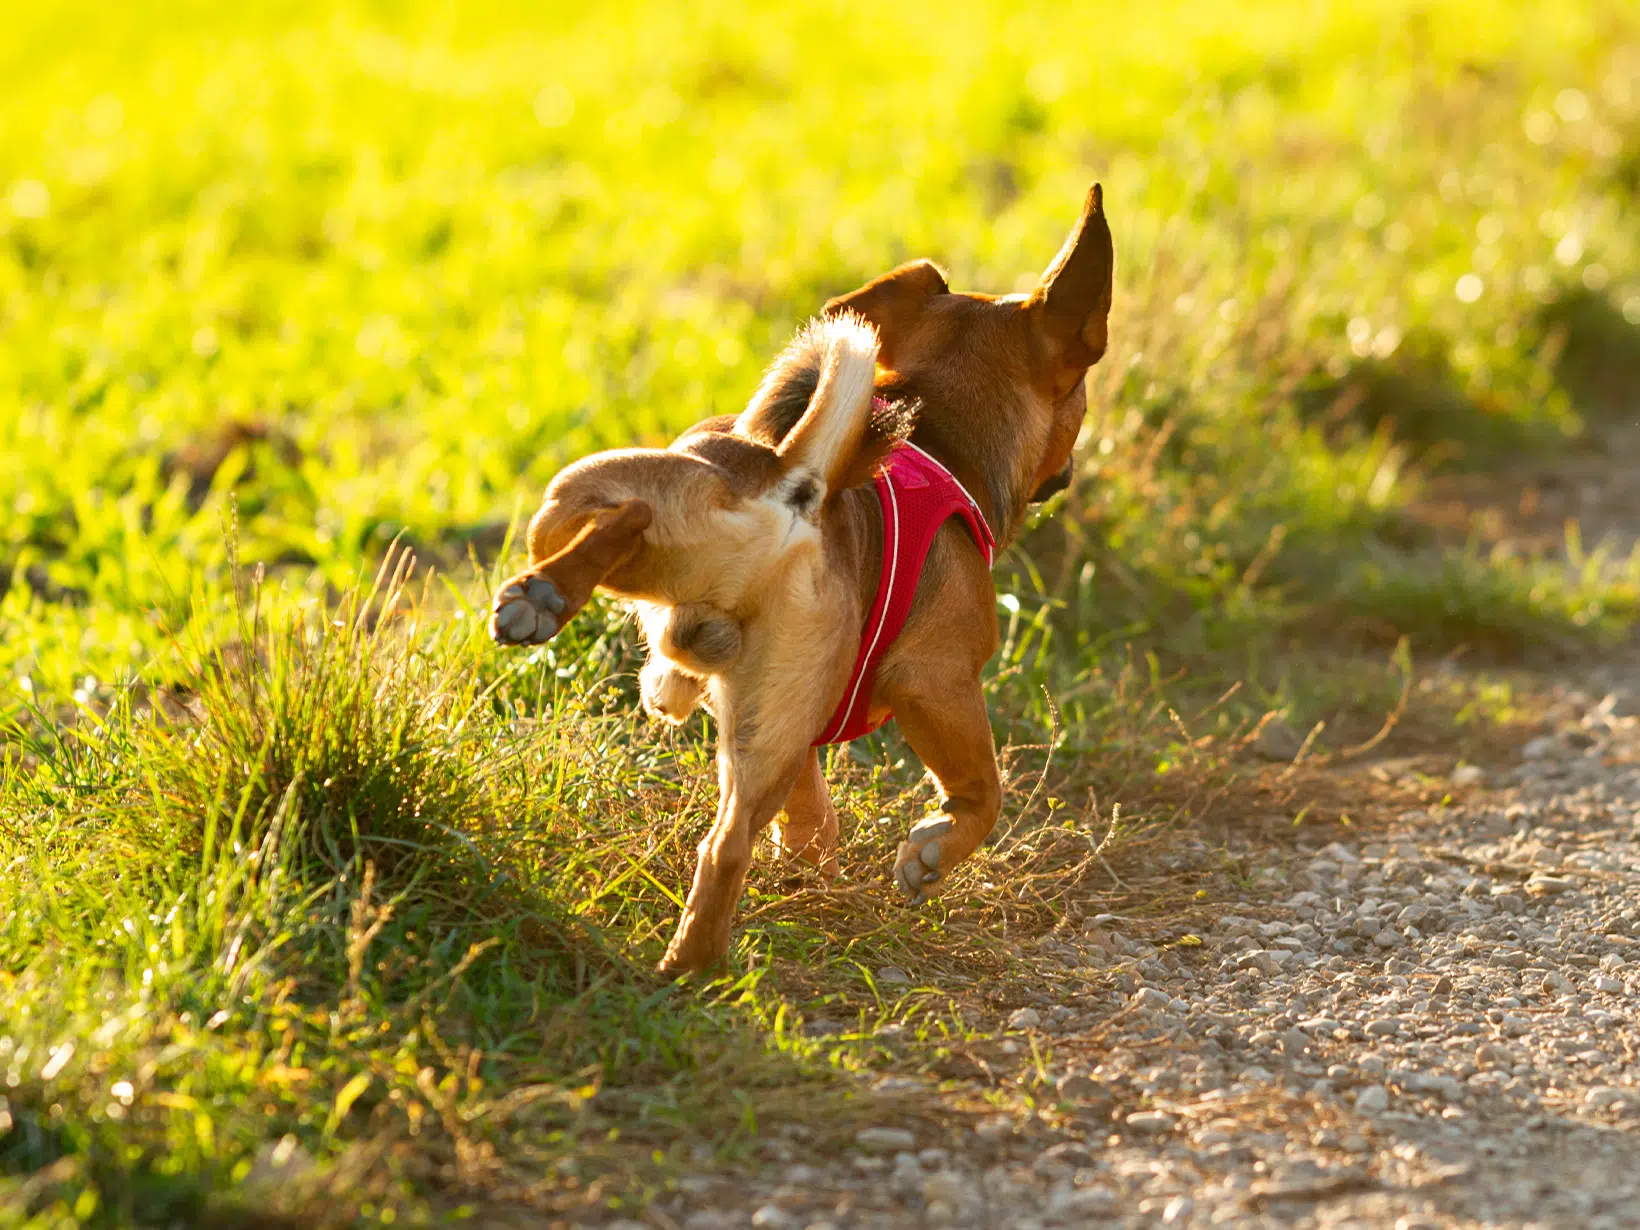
1595 347
335 726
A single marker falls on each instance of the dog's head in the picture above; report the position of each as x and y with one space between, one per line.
999 377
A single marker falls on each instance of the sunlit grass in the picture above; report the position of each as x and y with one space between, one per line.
315 904
380 280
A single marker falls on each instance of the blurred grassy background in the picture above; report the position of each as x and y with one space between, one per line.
382 271
349 272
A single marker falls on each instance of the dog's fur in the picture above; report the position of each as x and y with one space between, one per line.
753 550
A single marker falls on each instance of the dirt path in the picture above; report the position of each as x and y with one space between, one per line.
1434 1029
1529 504
1437 1027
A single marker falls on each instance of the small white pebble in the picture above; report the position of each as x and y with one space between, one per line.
1150 1122
1150 997
949 1186
1177 1210
1372 1100
885 1139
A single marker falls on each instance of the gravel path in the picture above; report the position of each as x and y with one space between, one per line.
1436 1028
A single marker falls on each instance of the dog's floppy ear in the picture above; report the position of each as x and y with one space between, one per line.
1072 303
893 303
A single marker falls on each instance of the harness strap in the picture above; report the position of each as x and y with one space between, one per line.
917 496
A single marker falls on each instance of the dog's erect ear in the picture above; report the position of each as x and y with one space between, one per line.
1072 302
893 302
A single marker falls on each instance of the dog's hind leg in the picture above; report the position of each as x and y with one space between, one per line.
532 607
945 722
808 828
753 781
766 722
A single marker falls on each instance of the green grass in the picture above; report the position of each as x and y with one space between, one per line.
339 885
297 867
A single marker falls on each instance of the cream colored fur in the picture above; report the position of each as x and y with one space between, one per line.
759 562
832 428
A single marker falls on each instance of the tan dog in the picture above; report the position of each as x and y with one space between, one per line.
753 553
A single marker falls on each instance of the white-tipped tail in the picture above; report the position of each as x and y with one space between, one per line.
825 439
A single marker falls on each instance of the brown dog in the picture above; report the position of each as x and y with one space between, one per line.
753 553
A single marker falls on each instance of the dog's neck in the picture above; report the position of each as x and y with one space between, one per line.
1002 460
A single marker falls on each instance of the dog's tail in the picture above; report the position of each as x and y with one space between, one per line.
815 408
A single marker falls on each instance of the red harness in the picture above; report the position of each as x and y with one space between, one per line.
918 495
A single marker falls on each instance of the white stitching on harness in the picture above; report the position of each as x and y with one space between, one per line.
893 567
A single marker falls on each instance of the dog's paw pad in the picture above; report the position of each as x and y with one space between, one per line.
544 595
917 864
526 613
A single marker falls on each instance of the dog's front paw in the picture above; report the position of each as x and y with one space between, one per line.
526 611
917 865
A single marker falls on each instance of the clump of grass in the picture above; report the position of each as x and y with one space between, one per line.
1500 602
339 724
470 1019
1595 348
1416 397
